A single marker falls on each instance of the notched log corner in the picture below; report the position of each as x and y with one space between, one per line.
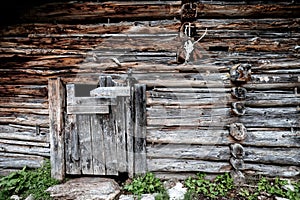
236 163
237 150
239 93
240 73
238 131
238 108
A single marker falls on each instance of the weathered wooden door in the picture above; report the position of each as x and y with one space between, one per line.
104 132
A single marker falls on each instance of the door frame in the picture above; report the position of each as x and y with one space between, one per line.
136 130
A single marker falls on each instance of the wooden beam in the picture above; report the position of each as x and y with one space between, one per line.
140 164
153 10
56 113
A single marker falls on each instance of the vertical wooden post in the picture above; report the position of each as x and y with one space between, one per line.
140 165
56 97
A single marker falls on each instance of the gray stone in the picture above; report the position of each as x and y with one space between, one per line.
86 189
30 197
177 192
280 198
15 197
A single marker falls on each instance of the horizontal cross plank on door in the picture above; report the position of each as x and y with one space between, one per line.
88 109
111 92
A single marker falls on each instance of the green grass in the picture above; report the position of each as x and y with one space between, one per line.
25 182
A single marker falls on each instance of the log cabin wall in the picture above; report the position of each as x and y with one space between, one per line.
195 122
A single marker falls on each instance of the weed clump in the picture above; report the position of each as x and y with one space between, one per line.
27 181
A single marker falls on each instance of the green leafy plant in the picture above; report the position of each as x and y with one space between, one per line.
162 196
272 187
143 184
25 182
219 187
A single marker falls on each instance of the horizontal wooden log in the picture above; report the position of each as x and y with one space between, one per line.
23 102
21 136
22 149
115 11
271 170
25 130
218 121
18 161
282 156
185 165
28 90
236 24
263 138
25 119
188 151
27 143
24 110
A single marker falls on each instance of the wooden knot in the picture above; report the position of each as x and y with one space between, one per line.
237 150
238 131
238 108
240 73
239 93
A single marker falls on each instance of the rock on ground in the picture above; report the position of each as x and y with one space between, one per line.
177 192
86 189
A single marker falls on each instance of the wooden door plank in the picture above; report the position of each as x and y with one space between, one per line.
85 140
56 95
120 119
72 153
97 145
140 162
129 128
109 146
109 136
